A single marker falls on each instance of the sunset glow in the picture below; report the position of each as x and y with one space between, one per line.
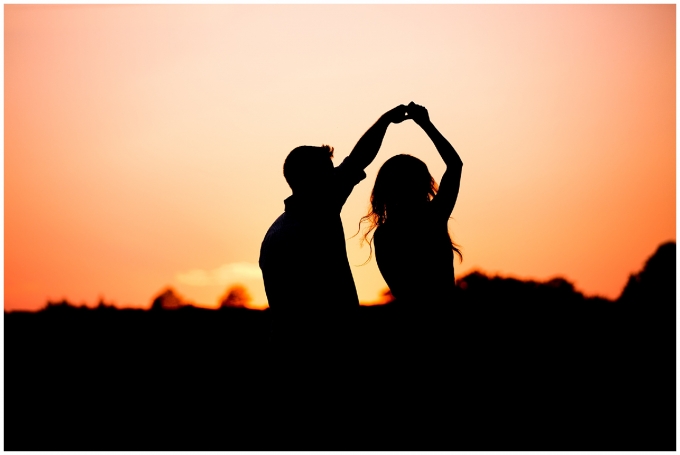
144 144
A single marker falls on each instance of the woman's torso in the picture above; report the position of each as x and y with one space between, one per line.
415 258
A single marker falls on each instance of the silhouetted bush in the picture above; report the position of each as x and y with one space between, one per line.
656 283
168 300
237 296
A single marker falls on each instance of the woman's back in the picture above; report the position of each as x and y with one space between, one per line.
415 258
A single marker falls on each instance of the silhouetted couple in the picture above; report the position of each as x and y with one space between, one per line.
303 258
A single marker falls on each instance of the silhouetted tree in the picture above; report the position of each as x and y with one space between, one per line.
560 284
102 305
498 290
167 300
237 296
59 306
656 281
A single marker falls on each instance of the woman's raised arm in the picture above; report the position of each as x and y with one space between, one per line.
449 186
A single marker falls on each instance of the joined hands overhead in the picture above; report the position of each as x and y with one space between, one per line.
368 145
397 115
418 113
413 111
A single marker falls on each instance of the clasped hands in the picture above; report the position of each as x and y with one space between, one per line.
413 111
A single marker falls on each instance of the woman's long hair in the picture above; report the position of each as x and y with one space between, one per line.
402 182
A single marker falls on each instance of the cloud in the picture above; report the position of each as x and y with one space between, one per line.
222 275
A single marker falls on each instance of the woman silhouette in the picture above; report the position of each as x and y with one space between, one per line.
409 213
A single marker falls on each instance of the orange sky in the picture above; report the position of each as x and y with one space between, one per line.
144 144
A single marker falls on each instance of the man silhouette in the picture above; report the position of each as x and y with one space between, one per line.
307 277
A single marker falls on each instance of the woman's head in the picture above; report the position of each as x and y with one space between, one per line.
403 184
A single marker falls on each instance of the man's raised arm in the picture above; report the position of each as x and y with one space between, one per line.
366 149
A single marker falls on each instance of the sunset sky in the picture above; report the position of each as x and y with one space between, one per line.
144 144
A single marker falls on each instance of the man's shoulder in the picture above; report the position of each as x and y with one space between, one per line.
280 220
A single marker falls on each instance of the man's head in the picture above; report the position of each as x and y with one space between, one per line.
307 168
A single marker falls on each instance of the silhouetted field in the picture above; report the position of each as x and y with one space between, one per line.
511 366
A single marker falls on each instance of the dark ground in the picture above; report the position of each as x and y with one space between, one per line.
512 366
